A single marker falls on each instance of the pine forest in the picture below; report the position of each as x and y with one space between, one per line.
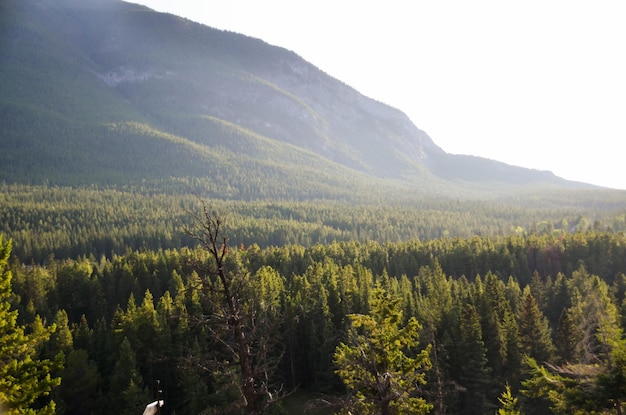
112 299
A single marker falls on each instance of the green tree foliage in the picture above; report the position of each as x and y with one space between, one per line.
534 331
568 389
612 380
24 378
244 319
377 365
62 339
474 374
583 388
79 391
127 394
508 403
70 222
590 377
470 295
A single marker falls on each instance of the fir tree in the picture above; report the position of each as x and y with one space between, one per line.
24 378
508 403
474 375
127 394
534 331
376 364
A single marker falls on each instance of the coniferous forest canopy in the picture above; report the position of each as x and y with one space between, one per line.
495 296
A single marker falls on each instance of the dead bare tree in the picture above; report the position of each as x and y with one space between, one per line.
248 332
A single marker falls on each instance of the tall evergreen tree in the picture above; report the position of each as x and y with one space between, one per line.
434 305
127 394
534 330
376 363
474 373
62 339
25 380
513 361
565 339
79 391
492 309
594 315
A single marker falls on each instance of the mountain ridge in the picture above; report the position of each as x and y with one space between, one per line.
73 69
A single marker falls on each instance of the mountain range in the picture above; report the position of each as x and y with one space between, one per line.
106 92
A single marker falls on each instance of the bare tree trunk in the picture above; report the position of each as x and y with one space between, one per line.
248 345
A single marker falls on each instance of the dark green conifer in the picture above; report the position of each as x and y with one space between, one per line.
534 330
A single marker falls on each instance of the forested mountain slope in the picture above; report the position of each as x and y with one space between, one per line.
108 92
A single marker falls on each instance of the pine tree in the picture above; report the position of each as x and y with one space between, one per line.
508 403
434 305
62 338
492 309
513 353
79 390
24 378
534 331
127 394
474 375
565 338
376 365
82 335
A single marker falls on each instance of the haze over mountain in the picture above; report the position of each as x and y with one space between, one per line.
108 92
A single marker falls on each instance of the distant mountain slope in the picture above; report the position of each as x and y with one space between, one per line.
108 92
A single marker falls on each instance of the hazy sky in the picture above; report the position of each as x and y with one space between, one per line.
538 84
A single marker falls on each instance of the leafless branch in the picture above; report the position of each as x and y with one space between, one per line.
248 337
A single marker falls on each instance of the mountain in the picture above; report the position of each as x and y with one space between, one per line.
112 93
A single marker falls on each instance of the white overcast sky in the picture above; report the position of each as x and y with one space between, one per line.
538 84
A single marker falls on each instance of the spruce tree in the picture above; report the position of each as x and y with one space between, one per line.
534 330
24 378
508 403
127 394
377 365
79 391
474 374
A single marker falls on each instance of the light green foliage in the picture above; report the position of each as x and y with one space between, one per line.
508 403
23 377
474 325
70 222
591 379
594 314
267 286
582 388
62 338
560 391
376 363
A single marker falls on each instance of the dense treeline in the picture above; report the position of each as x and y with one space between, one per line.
484 304
70 222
